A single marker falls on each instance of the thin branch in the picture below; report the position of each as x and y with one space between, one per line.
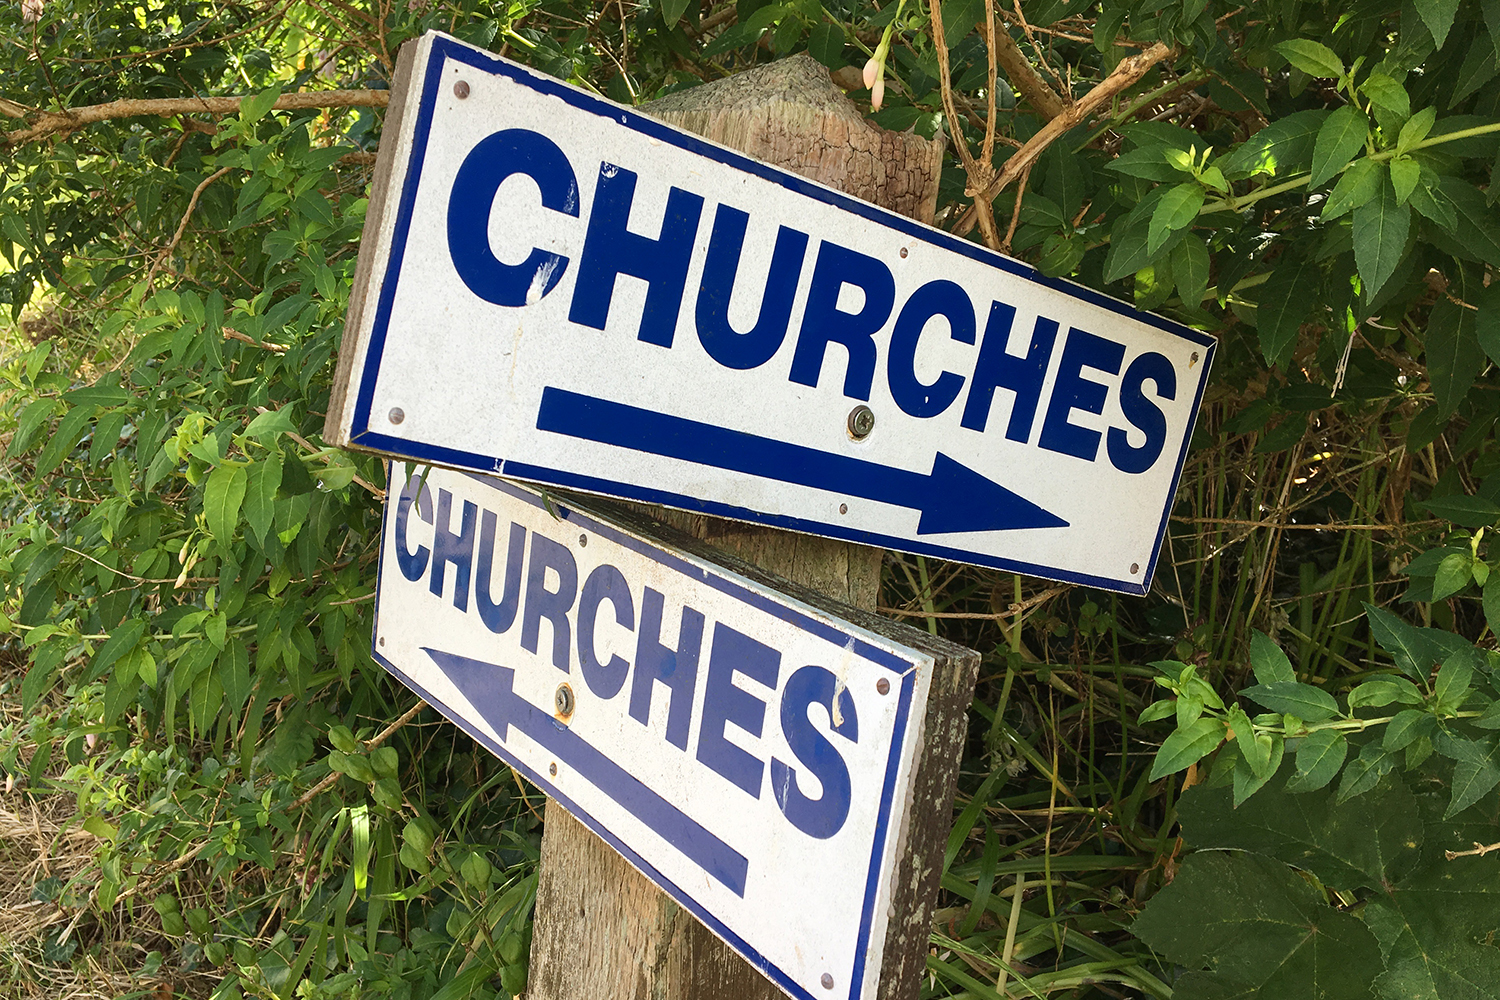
73 119
1125 75
370 744
978 172
182 225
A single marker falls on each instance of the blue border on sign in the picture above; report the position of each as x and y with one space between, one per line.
708 576
450 48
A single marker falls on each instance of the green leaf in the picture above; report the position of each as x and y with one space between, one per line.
1435 945
1158 710
120 641
1413 649
826 43
1477 229
1285 301
1454 677
1384 691
1187 746
234 674
1270 664
1380 231
253 109
33 416
1454 357
672 11
1360 183
1247 779
1280 149
1479 68
1341 136
222 496
1416 128
1438 16
1405 175
1177 209
1261 928
1190 269
1368 843
1429 199
1408 724
1365 771
1319 758
1293 698
271 423
1474 776
1312 58
1469 511
1487 326
1147 162
70 429
1388 93
1491 602
262 482
1453 575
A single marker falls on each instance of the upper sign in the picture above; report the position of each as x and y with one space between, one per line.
563 290
750 753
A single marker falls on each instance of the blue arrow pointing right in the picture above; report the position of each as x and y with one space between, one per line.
952 498
489 688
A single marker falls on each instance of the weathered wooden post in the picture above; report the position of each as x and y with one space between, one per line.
602 929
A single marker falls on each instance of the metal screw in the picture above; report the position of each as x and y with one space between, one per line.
552 770
382 640
397 414
903 252
861 422
1135 567
1194 359
563 700
883 686
843 508
827 981
583 539
461 89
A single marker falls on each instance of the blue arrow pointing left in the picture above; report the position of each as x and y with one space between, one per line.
490 689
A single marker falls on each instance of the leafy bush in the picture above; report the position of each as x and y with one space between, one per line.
185 569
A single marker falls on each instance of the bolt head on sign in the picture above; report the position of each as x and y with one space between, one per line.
559 289
749 752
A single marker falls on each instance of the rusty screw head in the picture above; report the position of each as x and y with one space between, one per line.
904 252
396 415
563 701
461 89
552 770
861 422
883 686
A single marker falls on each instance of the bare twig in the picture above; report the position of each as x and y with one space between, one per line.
1124 76
978 171
1480 850
370 744
182 225
72 119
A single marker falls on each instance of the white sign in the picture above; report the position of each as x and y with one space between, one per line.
749 753
563 290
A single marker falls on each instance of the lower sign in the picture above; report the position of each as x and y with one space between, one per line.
749 752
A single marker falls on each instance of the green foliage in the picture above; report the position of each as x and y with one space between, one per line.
185 568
